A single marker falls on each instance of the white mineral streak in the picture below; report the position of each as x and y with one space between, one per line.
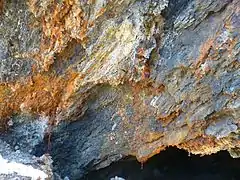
117 178
20 169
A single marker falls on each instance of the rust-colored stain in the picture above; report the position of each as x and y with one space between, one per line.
148 87
146 71
153 136
156 151
200 144
140 52
206 145
1 6
201 66
140 107
169 118
100 12
61 23
204 51
41 94
141 110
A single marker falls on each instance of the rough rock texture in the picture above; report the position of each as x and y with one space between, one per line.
92 81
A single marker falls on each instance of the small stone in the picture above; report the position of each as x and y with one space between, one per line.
117 178
114 126
16 147
10 123
66 178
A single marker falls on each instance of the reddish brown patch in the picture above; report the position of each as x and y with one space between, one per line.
140 107
199 144
146 72
68 52
148 87
100 12
204 51
61 23
142 93
1 6
169 118
156 151
41 94
140 52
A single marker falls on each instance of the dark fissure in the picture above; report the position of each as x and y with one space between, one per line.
172 164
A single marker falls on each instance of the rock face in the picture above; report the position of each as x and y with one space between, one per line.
92 81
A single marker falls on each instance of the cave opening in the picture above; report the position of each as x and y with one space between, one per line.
172 164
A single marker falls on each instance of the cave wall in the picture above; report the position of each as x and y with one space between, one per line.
92 81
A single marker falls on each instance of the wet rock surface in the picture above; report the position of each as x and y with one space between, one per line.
91 82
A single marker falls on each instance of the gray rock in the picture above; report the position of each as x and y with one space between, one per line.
113 78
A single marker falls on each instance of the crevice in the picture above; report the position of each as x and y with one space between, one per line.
213 13
175 7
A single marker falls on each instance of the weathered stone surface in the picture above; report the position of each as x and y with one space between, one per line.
93 81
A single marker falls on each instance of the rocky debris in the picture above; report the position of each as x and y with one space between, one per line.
21 165
91 82
117 178
18 147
